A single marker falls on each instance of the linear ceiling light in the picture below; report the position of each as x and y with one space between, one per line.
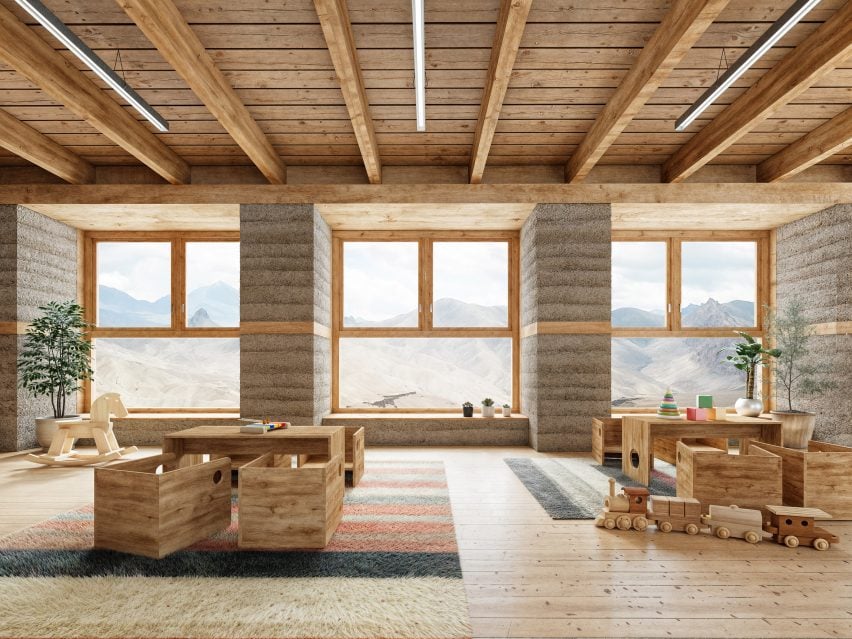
67 37
772 35
418 20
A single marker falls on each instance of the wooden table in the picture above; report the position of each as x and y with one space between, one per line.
228 440
638 433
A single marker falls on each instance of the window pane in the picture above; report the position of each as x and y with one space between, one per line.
134 284
719 284
380 284
212 284
471 284
639 284
642 370
169 372
424 373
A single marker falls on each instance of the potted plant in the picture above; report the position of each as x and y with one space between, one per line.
488 407
507 410
796 374
467 409
747 356
54 360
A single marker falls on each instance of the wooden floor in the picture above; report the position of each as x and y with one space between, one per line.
530 576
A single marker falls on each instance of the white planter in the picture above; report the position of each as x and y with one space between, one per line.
748 407
46 428
507 412
797 429
488 411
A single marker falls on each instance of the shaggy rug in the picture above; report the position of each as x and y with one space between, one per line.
391 570
574 488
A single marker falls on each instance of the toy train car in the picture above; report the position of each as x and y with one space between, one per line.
625 511
733 521
793 526
676 513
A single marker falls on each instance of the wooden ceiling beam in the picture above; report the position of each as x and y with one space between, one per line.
24 141
337 29
679 30
23 49
163 24
812 148
818 54
507 39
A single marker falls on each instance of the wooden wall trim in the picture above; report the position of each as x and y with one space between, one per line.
566 328
13 328
832 328
285 328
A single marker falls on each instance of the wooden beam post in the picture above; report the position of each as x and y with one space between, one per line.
824 141
24 141
507 39
816 55
334 18
23 49
680 28
163 24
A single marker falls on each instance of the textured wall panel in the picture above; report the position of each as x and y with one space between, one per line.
814 265
439 431
565 277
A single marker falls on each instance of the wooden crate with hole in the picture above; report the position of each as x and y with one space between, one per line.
817 477
606 437
714 477
282 507
143 510
353 460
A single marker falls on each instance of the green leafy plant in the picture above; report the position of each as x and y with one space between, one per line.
55 356
506 406
747 356
795 373
488 402
468 405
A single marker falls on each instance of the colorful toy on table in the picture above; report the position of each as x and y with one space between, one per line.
704 401
259 428
697 414
668 407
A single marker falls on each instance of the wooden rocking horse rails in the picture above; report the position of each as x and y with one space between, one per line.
97 427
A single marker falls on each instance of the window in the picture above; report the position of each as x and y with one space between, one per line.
166 312
677 301
424 321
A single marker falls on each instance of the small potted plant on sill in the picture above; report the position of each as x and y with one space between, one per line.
507 410
467 409
488 407
747 356
54 360
797 374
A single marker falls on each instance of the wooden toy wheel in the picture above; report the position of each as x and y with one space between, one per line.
623 522
609 524
691 529
791 541
722 532
821 544
752 537
665 526
640 523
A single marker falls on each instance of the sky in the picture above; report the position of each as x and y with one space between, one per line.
725 271
143 269
380 278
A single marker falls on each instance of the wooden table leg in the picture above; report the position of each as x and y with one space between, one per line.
635 438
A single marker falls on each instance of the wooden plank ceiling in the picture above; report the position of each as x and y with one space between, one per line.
571 59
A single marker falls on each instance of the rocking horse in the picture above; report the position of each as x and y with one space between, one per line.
97 427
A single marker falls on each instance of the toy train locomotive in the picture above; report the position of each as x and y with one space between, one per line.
635 508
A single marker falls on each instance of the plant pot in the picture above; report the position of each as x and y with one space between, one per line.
507 412
46 428
488 411
467 411
748 407
797 428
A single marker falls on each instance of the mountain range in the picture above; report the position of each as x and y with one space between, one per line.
218 304
446 311
709 314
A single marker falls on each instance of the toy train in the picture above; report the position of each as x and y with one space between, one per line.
635 508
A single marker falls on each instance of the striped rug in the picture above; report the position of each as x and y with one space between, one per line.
391 571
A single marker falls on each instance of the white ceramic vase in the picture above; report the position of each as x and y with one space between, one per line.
487 411
748 407
507 412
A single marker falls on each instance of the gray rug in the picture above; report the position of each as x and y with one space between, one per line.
574 488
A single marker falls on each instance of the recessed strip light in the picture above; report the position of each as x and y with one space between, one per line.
67 37
418 23
772 35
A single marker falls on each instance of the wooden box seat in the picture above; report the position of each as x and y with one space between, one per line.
606 440
141 508
282 507
714 477
353 454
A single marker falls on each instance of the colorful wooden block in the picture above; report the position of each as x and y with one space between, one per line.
696 414
704 401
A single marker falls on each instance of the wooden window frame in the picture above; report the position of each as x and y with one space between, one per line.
674 241
178 241
425 329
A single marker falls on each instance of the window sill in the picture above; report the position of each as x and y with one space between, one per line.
414 416
199 416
